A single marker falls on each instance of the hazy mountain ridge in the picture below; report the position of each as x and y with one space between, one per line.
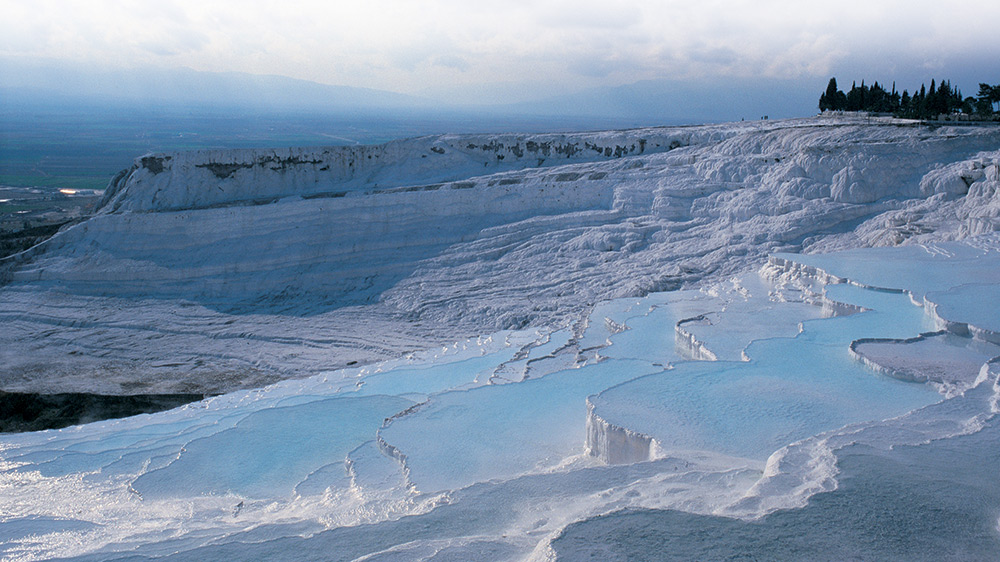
30 83
34 84
674 102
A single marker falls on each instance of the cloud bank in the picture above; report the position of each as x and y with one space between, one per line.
440 46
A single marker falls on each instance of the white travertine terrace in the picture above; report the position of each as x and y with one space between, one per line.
445 354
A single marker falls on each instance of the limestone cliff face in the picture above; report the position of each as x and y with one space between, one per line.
211 178
310 229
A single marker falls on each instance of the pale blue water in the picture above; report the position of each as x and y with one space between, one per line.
901 495
791 389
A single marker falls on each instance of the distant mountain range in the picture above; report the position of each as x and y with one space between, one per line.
691 102
51 84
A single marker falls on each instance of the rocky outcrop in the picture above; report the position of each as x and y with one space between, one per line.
616 445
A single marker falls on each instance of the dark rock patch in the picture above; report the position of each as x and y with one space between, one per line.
154 163
35 412
223 171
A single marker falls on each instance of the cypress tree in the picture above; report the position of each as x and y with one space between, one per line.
841 102
854 98
827 99
832 98
943 102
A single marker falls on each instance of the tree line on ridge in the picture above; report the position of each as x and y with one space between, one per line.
926 103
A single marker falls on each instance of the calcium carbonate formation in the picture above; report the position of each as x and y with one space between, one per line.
767 340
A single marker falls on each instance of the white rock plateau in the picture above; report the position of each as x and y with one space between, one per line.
210 271
768 340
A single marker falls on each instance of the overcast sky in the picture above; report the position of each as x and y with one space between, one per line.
518 48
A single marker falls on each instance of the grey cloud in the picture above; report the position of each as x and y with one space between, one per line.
715 55
175 41
437 51
599 67
452 61
593 16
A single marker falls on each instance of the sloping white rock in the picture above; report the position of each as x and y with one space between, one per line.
213 270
